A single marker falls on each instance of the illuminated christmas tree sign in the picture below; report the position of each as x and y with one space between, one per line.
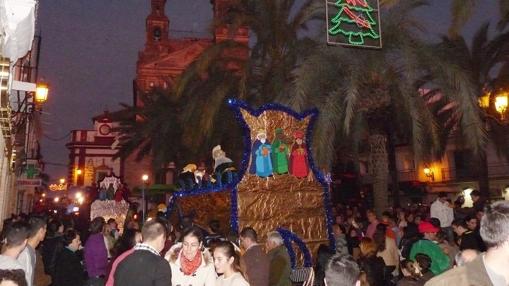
354 23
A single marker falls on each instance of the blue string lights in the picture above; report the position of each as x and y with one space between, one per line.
237 105
288 238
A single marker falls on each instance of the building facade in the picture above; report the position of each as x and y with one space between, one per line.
162 60
456 173
91 153
20 164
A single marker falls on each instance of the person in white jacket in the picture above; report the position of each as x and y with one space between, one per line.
190 262
227 263
442 210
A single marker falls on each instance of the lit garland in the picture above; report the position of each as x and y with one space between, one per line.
288 238
236 106
234 215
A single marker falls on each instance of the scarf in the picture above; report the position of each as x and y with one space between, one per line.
190 266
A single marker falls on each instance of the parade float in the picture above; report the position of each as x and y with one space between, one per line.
277 186
110 202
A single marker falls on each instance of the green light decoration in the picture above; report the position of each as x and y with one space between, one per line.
354 20
31 171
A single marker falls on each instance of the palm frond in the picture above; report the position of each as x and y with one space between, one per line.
461 11
504 14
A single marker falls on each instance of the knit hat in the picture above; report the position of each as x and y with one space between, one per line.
427 227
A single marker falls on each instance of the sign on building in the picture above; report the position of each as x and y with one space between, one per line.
354 23
30 176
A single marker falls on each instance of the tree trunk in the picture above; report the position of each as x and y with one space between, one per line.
378 169
393 170
482 173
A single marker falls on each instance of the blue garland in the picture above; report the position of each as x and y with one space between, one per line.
288 238
236 106
234 215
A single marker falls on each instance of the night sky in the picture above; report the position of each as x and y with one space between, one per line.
89 52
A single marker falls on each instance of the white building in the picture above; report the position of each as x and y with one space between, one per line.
17 27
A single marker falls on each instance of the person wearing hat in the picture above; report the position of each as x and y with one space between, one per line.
262 153
186 179
427 245
299 156
222 164
280 152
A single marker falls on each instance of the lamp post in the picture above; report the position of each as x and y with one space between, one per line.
429 173
78 173
41 93
496 100
501 102
144 178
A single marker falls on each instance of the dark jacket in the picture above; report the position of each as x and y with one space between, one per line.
68 269
407 281
142 268
280 268
322 258
469 240
374 267
51 247
255 264
470 274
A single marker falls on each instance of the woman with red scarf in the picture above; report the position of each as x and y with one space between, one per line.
190 263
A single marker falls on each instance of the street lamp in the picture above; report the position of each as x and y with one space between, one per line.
497 100
41 93
429 173
501 102
62 181
144 178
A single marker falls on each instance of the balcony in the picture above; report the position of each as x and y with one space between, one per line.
494 171
407 175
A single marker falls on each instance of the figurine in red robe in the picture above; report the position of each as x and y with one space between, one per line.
299 156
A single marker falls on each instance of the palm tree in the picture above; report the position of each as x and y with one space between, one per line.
148 129
223 70
371 94
481 59
462 10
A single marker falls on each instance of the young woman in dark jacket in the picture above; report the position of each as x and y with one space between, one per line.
372 265
68 269
52 246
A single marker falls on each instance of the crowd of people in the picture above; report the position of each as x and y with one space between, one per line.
415 246
437 245
48 251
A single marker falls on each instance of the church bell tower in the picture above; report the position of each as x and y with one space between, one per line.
157 24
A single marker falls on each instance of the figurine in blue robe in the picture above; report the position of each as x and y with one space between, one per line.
263 156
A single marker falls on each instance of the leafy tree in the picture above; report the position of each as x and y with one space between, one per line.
462 11
226 69
373 96
486 63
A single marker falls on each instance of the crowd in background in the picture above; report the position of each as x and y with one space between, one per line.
404 246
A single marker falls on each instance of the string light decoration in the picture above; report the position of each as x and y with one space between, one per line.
288 238
354 23
236 106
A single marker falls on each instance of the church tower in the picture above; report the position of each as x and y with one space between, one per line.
157 25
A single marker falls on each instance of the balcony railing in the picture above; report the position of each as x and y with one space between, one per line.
451 174
407 175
